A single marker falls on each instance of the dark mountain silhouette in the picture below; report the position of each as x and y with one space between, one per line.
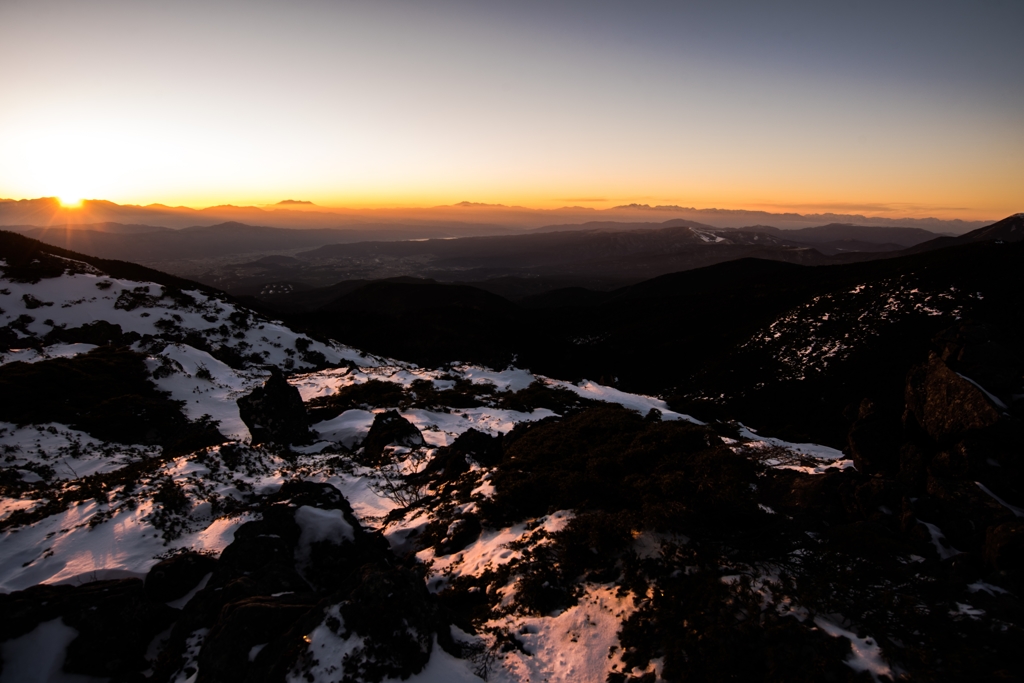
844 330
157 246
1010 229
466 218
834 232
618 226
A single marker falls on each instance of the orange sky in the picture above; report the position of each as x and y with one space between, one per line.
365 104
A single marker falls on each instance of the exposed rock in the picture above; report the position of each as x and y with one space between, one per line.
483 448
263 552
913 466
817 497
243 630
460 534
115 621
946 405
176 576
388 429
979 352
275 412
1004 546
99 332
875 440
395 619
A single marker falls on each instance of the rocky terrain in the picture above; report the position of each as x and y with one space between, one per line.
191 490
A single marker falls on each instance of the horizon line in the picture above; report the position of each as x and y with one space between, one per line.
861 210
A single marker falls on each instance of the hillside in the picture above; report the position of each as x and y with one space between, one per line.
193 491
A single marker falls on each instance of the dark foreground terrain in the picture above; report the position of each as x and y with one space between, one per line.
193 491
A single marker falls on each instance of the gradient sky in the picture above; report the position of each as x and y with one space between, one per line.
889 108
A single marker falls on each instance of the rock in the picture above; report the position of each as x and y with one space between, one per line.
808 496
461 532
174 577
299 492
945 405
950 463
263 553
115 621
913 466
275 412
388 429
961 509
983 354
230 649
875 440
1004 546
481 447
99 332
878 499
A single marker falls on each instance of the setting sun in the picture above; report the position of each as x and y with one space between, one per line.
69 202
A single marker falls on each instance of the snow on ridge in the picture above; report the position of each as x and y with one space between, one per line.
143 308
214 396
67 453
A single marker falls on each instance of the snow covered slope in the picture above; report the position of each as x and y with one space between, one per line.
437 524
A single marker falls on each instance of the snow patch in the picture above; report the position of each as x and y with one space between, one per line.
866 654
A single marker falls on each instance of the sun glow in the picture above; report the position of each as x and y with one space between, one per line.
69 201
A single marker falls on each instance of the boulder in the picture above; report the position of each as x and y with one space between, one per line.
115 622
984 354
1004 546
944 404
243 630
874 440
174 577
481 447
388 429
275 412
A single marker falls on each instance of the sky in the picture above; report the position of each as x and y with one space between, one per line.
899 108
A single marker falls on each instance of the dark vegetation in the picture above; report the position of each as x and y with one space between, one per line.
749 555
257 594
106 393
853 543
684 335
30 261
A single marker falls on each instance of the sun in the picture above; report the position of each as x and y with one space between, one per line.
69 201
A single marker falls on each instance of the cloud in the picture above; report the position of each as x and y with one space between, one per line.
583 199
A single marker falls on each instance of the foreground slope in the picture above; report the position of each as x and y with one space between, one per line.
193 492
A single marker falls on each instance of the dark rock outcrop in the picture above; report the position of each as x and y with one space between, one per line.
481 447
875 440
174 577
1004 546
944 404
388 429
269 588
275 412
243 630
115 623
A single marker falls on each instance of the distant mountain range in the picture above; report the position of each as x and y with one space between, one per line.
257 260
465 218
